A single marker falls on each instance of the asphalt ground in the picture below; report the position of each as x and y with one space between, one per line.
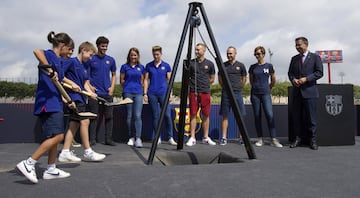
332 171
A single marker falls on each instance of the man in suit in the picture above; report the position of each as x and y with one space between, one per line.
305 69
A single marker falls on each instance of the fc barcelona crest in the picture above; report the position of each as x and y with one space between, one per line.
333 104
187 121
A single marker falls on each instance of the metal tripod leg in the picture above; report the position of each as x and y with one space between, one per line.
193 10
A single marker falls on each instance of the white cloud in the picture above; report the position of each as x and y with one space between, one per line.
244 24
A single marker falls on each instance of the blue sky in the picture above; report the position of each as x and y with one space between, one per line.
244 24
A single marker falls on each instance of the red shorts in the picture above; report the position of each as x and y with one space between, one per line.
203 99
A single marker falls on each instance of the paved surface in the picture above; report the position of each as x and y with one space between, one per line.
277 172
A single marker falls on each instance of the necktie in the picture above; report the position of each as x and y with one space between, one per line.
301 59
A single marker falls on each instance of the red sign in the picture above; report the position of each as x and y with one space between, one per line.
330 56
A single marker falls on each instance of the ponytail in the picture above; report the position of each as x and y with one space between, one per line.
58 38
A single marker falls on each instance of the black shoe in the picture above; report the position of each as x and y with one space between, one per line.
314 146
110 143
296 143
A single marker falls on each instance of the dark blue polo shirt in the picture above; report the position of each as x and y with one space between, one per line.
158 77
235 73
201 73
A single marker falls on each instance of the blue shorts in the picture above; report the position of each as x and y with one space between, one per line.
225 103
52 123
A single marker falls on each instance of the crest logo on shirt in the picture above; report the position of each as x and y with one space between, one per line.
238 68
162 68
333 104
107 62
206 67
266 71
187 121
138 69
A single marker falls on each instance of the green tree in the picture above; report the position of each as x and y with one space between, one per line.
117 91
246 90
215 90
280 89
17 90
176 89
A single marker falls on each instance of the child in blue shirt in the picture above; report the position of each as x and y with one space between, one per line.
77 76
49 108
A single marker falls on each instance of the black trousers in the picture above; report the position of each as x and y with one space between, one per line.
102 111
304 118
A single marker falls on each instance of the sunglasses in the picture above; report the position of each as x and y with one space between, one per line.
257 54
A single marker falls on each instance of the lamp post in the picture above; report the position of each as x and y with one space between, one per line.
270 54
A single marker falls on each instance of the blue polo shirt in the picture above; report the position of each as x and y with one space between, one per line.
132 79
261 75
158 77
100 69
48 97
75 70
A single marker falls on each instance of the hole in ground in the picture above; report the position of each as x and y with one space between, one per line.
171 158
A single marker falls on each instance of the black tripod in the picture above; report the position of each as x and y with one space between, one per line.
192 21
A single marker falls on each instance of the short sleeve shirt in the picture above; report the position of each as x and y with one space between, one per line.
132 84
48 97
100 69
261 75
158 77
200 75
235 73
75 71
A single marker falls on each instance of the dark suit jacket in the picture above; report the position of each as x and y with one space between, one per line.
312 69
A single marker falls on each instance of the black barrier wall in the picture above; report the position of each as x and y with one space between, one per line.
20 125
336 115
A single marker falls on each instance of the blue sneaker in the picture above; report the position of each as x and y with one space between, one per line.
223 141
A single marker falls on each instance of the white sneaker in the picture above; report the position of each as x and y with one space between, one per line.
68 157
275 142
159 141
191 142
131 142
172 142
28 171
93 157
55 173
260 142
138 143
208 141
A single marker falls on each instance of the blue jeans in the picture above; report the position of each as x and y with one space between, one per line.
154 101
134 111
264 101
